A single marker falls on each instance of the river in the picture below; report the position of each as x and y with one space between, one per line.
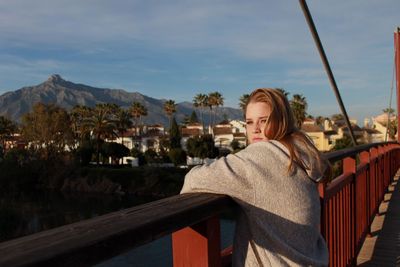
28 213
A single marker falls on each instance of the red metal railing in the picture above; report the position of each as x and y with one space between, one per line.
350 202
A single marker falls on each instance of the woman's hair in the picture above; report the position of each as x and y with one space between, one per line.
281 126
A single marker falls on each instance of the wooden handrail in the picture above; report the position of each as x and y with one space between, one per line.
91 241
353 151
95 240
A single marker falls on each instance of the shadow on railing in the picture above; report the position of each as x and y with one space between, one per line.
348 205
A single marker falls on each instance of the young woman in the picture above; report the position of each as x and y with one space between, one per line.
274 181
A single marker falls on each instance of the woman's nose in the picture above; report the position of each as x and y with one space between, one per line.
257 128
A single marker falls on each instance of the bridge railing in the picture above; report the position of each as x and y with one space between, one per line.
348 204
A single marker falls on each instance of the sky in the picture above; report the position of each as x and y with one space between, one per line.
176 49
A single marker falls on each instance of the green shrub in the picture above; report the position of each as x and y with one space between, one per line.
177 156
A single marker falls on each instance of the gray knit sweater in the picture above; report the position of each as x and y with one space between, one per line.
280 212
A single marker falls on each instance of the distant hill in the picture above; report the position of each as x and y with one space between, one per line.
67 94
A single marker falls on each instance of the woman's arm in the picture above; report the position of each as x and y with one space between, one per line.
228 175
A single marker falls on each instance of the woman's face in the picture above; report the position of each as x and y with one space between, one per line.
257 114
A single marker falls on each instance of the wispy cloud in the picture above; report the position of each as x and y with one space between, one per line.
231 45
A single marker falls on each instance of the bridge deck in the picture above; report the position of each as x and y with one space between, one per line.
382 247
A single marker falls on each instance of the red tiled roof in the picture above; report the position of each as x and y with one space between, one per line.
194 124
186 132
239 135
311 128
222 130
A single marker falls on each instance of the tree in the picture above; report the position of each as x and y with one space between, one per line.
78 116
7 128
200 101
101 125
85 152
177 156
337 117
48 129
193 117
235 144
115 151
343 143
138 111
320 120
150 156
243 100
136 153
175 135
170 109
283 91
299 109
388 110
215 99
201 147
123 122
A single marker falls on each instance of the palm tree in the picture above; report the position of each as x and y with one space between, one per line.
123 121
320 120
337 117
100 125
219 101
138 111
200 102
283 91
243 100
215 99
78 115
299 109
170 109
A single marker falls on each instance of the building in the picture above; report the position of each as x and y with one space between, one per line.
190 130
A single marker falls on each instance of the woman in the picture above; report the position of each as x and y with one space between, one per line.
274 182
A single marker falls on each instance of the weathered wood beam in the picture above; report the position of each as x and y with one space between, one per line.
92 241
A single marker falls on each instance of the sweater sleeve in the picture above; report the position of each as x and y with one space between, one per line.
228 176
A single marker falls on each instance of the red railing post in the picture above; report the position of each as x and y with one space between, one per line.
198 245
365 159
381 160
350 166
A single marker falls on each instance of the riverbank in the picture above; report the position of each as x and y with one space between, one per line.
140 181
63 175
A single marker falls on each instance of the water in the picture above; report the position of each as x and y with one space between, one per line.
159 252
26 214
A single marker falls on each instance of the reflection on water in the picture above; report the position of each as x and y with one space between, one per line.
159 252
26 214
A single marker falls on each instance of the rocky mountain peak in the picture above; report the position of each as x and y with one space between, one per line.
55 78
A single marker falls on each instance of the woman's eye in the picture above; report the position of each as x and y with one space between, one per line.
249 122
263 121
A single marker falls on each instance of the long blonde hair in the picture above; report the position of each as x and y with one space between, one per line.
281 126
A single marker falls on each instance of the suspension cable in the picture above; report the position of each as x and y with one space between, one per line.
328 70
390 100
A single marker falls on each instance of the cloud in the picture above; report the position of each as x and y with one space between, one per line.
211 44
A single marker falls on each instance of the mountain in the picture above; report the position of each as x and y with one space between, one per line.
67 94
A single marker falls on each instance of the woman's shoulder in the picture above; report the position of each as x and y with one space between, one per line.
264 149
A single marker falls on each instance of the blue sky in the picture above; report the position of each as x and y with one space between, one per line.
175 49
